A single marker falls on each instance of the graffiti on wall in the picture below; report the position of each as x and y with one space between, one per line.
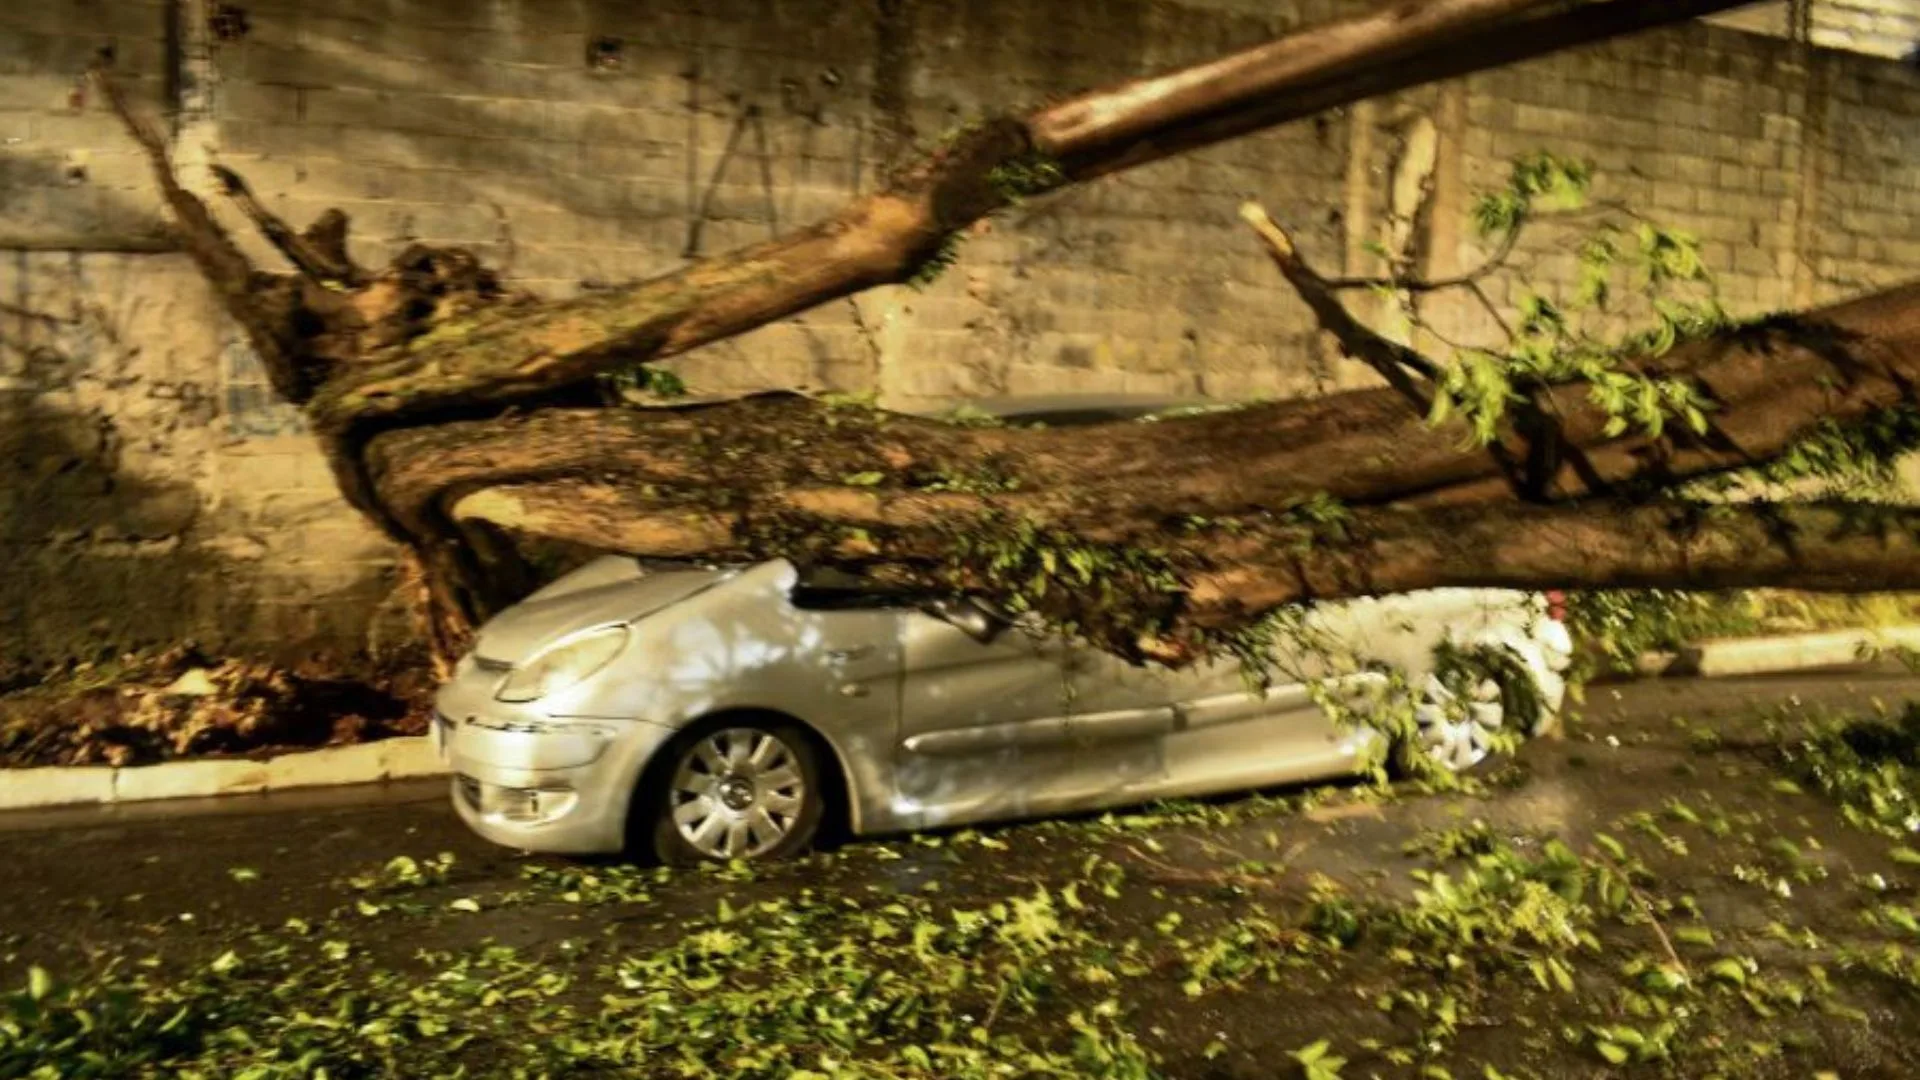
251 409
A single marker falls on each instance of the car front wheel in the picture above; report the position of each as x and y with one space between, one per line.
742 790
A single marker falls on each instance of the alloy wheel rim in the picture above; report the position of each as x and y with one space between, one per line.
737 793
1457 731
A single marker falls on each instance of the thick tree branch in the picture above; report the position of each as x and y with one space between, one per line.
1846 547
1486 43
1772 383
221 262
1241 568
319 254
1088 129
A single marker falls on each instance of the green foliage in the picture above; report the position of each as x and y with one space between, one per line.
1869 765
936 262
1025 561
813 985
1624 623
1632 267
1560 339
1317 1062
644 379
981 480
1030 174
1537 182
969 416
1851 460
1557 339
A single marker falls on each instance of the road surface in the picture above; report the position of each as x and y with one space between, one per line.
181 882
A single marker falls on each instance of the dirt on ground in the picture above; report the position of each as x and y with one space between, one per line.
137 710
1703 878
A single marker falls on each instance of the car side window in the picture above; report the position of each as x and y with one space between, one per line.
828 589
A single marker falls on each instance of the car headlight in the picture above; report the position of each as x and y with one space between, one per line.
567 664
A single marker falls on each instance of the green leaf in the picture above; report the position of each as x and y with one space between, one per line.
1613 1052
864 479
1729 969
1905 856
39 983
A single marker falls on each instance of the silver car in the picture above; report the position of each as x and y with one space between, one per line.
732 712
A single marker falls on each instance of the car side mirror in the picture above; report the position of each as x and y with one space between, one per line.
969 616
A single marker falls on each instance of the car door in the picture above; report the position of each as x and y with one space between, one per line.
1208 731
984 730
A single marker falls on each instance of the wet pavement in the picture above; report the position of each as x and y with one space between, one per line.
185 878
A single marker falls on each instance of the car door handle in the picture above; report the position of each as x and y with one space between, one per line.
853 653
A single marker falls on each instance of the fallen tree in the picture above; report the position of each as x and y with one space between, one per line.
468 420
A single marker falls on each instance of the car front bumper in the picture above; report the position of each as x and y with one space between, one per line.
525 779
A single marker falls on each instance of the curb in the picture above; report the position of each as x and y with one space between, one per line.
1789 652
389 759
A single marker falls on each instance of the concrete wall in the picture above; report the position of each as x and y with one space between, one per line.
582 143
1885 28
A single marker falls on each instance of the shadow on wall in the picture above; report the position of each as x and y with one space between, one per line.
97 560
103 529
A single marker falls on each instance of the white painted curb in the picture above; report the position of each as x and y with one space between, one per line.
1790 652
388 759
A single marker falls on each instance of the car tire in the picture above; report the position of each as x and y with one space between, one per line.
1500 697
738 788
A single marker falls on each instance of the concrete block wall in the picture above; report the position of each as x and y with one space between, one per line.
1790 165
69 179
1865 195
142 500
584 143
1885 28
1699 130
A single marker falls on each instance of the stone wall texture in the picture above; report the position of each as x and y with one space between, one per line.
153 490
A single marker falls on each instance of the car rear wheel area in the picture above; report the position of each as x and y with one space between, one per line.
1477 705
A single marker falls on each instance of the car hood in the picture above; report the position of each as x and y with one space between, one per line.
524 629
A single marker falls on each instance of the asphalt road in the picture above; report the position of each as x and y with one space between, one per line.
80 882
1772 869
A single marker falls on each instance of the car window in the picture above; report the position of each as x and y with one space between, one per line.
824 588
